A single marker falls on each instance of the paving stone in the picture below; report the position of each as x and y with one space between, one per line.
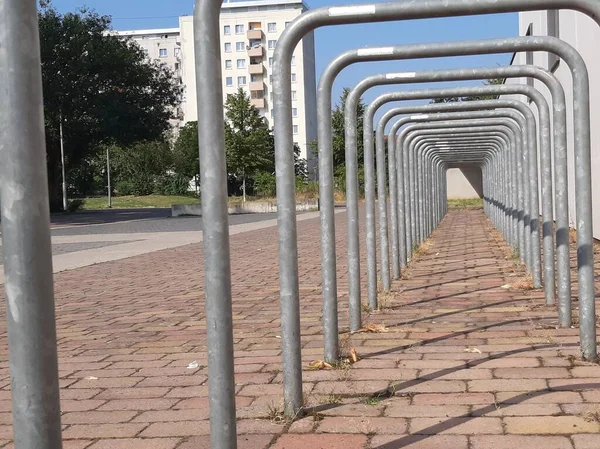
458 426
550 425
313 441
514 441
462 357
366 425
419 442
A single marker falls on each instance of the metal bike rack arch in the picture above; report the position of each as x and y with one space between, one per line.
439 75
313 19
434 147
412 142
399 256
473 105
511 130
400 78
531 43
444 107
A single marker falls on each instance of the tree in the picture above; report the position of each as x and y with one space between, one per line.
248 140
100 86
339 130
185 153
490 82
138 168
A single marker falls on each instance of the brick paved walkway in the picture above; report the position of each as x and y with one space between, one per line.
465 363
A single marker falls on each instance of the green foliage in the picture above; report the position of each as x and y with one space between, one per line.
490 82
172 184
339 176
75 205
264 184
102 88
138 168
185 152
339 130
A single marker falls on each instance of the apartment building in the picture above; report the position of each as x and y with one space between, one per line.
249 33
583 34
163 45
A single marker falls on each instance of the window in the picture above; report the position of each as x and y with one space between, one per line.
227 30
227 47
145 50
295 129
271 79
228 64
229 81
271 44
293 77
294 112
271 96
239 29
286 24
270 62
254 78
162 52
239 46
272 27
294 95
553 31
241 63
241 80
176 66
293 60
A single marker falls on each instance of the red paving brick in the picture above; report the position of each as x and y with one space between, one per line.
469 364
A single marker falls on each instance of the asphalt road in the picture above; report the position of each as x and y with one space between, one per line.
132 222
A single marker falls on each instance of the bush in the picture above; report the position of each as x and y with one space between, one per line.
172 184
264 184
309 189
75 205
339 177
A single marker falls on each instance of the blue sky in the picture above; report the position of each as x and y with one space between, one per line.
331 41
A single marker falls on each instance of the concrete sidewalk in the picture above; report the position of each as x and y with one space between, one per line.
463 363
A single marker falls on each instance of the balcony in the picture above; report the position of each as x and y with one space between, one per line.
255 52
258 103
256 69
257 86
255 34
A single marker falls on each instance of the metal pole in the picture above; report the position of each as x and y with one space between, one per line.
65 202
351 148
27 251
313 19
531 231
108 176
531 43
215 228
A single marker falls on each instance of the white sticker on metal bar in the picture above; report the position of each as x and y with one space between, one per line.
419 117
351 10
378 51
392 76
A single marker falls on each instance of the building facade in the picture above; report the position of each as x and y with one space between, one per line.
249 33
583 34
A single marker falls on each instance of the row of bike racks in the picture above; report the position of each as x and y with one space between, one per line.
501 136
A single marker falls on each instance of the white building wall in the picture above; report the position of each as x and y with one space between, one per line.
583 34
459 187
162 46
177 45
242 14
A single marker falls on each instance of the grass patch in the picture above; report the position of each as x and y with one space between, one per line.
132 202
465 203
